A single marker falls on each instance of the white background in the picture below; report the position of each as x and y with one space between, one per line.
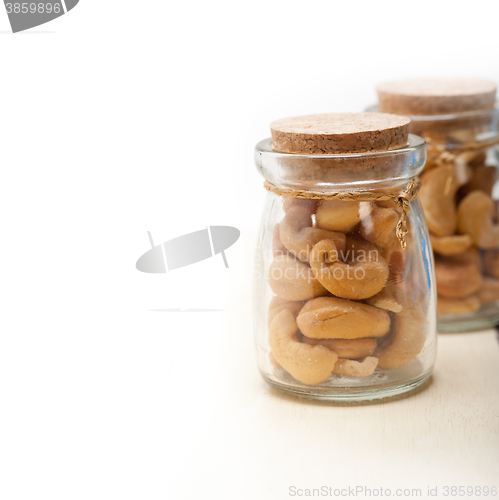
127 116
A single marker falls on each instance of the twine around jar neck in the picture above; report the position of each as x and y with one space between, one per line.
402 200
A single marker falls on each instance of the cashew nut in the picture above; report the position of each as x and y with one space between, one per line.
475 218
306 363
363 275
483 179
379 228
277 304
408 338
462 135
386 203
308 205
298 235
434 136
489 291
471 255
274 362
332 318
343 216
456 280
345 348
292 279
277 247
350 368
396 259
478 160
462 170
491 262
458 306
437 198
386 299
451 245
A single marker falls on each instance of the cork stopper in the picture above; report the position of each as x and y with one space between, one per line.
338 133
436 96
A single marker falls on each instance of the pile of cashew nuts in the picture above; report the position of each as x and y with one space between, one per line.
463 223
339 306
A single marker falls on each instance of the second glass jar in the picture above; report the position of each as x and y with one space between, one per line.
460 193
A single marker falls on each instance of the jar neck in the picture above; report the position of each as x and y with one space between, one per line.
458 131
375 171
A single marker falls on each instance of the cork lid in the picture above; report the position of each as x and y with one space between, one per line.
338 133
436 96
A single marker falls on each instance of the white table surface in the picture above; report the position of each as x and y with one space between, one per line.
103 398
257 442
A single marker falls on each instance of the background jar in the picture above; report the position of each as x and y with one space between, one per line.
460 122
321 331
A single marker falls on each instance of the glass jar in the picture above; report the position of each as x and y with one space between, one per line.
341 310
460 197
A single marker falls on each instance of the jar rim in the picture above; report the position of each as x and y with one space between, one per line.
415 143
340 171
462 115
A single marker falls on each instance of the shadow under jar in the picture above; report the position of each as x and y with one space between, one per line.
459 120
344 296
